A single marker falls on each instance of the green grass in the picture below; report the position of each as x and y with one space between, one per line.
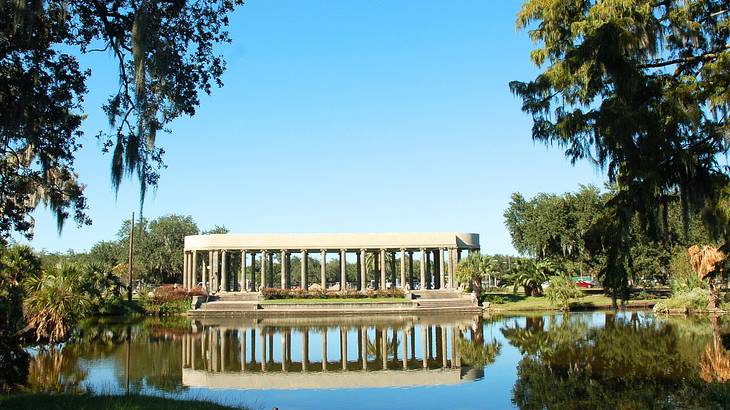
102 402
520 302
333 300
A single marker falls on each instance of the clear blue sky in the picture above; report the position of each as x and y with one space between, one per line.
341 116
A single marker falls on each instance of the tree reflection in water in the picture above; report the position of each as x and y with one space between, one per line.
155 362
627 363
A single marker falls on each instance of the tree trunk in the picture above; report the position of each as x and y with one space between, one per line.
713 294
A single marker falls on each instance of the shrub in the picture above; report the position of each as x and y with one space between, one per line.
561 290
493 299
169 300
169 293
691 299
681 275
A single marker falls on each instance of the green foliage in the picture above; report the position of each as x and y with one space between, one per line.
552 226
682 277
693 299
106 402
561 290
475 268
56 302
530 275
640 89
16 263
166 55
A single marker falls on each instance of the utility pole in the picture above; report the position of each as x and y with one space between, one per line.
129 259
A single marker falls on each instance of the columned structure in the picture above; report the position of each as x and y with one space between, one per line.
383 260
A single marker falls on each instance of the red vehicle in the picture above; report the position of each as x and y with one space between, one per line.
585 283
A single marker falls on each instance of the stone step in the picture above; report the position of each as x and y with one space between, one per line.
229 306
437 294
237 297
433 303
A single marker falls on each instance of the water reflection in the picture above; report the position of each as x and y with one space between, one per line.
322 353
586 360
632 361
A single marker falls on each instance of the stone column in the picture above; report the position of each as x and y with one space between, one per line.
324 350
384 347
343 347
424 261
284 337
442 269
403 268
452 268
284 268
305 349
363 270
224 272
382 269
253 271
242 333
429 272
364 347
444 355
264 258
216 270
404 348
194 269
185 281
392 270
343 270
223 336
410 269
424 345
242 280
323 268
271 269
303 279
262 336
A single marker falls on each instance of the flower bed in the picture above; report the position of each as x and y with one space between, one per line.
274 293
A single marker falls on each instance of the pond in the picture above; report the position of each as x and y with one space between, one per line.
581 360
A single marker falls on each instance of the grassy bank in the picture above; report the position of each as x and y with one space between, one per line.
327 301
102 402
512 303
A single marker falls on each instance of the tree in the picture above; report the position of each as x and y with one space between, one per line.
473 269
553 226
165 56
217 229
561 290
639 88
163 246
706 262
530 274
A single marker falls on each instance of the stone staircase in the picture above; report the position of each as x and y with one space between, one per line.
439 299
232 302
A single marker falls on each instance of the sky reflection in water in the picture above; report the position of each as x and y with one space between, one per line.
584 360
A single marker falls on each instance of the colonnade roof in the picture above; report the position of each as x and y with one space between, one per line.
321 380
333 241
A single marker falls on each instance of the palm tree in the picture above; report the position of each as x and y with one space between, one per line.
531 275
56 301
707 263
473 269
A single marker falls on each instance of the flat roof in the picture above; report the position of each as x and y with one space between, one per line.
333 241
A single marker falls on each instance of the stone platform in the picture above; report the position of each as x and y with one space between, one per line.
418 302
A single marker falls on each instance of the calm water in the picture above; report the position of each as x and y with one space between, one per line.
585 360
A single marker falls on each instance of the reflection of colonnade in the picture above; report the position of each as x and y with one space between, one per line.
247 262
302 357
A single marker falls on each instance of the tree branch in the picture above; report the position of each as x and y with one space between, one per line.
683 60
